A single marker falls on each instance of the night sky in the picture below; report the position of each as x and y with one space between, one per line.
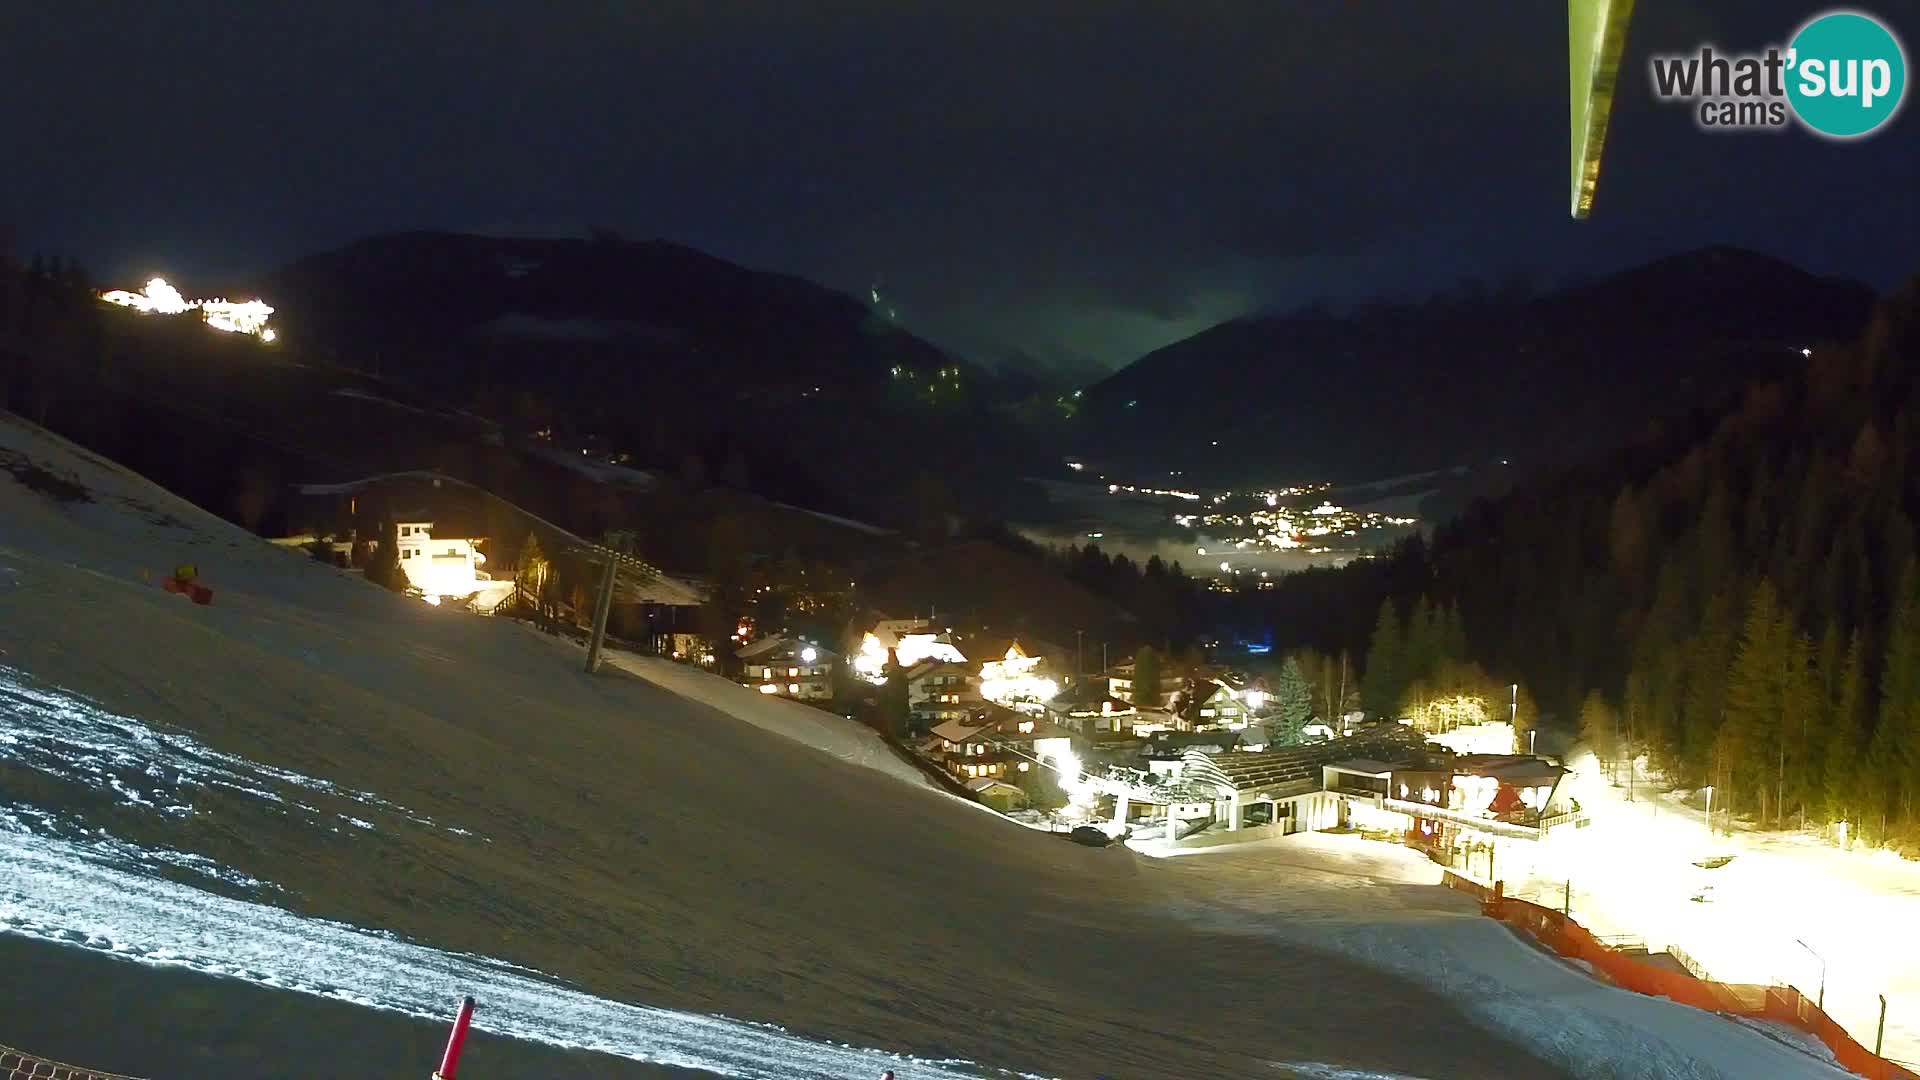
1043 181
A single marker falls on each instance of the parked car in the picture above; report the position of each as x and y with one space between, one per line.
1090 835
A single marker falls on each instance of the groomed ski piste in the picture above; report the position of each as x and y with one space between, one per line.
321 787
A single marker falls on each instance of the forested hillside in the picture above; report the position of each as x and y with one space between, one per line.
1735 596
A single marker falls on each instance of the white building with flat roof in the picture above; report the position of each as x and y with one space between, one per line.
443 566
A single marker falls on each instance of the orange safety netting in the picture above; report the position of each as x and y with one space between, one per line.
1560 933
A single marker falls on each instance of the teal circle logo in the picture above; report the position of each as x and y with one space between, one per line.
1847 74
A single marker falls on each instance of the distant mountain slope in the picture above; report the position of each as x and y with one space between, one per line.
681 359
1391 389
652 304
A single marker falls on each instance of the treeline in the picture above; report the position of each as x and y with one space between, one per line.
1161 595
47 307
1734 595
1419 668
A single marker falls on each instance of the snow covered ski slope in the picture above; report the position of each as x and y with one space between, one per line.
764 895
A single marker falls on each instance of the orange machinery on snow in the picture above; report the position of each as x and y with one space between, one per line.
186 581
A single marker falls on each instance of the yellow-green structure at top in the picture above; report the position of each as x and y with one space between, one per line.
1596 38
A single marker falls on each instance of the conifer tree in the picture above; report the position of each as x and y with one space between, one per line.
1846 736
1146 677
1797 738
1385 675
894 704
1756 687
1897 733
1295 704
1599 728
384 568
1422 647
1453 636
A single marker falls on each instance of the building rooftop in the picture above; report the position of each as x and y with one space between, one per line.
986 782
1088 696
928 667
1295 770
777 646
1364 765
959 731
1174 743
1512 768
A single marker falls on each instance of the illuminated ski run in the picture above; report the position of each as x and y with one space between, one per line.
55 891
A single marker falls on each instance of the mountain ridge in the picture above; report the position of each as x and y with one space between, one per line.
1576 369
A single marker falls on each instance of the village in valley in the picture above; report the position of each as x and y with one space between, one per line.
1162 750
1164 755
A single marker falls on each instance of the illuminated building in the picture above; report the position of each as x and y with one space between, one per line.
159 298
996 742
439 566
1018 681
1120 682
941 690
910 640
781 666
1088 709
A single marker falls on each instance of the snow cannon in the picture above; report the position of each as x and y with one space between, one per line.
185 580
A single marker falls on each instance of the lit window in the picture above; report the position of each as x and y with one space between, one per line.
1025 765
1026 727
766 673
769 688
792 671
793 688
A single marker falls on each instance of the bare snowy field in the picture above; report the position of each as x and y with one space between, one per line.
322 787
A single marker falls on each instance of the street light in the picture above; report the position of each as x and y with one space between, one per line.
1513 715
1822 1001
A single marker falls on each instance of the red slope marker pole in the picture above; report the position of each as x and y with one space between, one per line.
451 1059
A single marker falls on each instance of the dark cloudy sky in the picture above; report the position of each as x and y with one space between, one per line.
1058 180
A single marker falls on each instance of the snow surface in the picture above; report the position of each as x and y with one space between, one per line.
1632 873
669 847
362 395
824 731
602 472
857 526
1524 992
69 739
57 893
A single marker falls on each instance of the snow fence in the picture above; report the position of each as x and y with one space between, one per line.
20 1065
1782 1004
